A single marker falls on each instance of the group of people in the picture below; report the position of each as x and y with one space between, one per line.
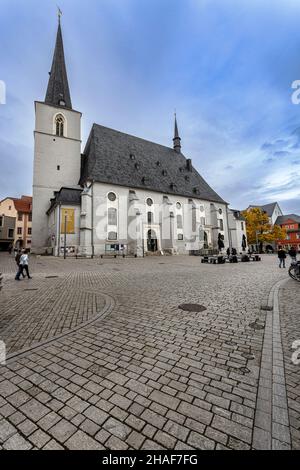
282 255
22 261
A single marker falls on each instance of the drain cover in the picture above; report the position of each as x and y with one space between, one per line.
256 326
192 307
248 356
50 277
266 307
26 290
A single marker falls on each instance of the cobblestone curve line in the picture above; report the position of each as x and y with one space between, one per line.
107 309
271 425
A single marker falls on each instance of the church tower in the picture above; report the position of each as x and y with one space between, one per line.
57 146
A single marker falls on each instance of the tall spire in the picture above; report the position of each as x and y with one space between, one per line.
58 93
177 139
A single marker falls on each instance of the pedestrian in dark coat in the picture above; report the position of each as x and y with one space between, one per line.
281 256
293 253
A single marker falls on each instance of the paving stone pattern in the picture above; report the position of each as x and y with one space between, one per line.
147 376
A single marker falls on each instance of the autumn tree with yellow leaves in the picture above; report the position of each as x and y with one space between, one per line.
259 229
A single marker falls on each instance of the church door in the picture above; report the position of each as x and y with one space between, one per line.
151 241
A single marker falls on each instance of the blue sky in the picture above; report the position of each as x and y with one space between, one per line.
226 66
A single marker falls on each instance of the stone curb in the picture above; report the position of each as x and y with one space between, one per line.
271 424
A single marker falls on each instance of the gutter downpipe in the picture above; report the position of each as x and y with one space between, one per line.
58 231
92 234
228 229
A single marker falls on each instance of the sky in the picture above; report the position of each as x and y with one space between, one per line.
226 66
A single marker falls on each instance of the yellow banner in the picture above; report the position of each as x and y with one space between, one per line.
67 224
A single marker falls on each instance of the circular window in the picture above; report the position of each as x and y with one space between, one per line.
220 211
178 205
149 201
112 196
201 208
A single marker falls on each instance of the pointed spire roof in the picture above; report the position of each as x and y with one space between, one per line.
177 139
58 88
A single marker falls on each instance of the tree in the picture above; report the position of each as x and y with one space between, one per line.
259 229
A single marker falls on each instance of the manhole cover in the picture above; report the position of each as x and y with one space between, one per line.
248 356
192 307
256 326
267 308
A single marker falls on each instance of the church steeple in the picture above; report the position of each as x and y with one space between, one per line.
58 93
177 139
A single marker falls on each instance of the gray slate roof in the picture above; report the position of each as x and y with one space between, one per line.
113 157
70 196
237 214
283 218
58 86
268 208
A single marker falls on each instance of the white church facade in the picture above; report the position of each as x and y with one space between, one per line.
122 194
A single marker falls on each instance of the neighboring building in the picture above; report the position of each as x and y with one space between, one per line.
273 210
7 232
237 230
21 211
291 223
123 193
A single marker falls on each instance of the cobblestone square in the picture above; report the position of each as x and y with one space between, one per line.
100 356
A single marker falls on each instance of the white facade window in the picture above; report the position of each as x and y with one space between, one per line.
149 202
10 233
221 224
179 221
242 225
202 220
150 217
112 216
1 221
111 196
178 205
59 125
112 235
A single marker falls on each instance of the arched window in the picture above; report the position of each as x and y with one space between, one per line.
150 217
59 125
179 221
112 216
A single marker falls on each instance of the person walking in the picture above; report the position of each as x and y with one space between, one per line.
23 265
17 258
281 256
293 253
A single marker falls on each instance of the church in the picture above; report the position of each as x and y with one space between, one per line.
122 194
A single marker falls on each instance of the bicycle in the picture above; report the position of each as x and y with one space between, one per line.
294 270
